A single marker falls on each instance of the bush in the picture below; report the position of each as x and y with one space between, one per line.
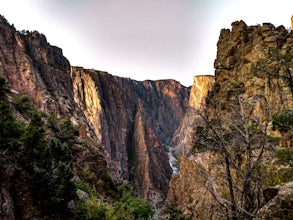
63 128
128 208
283 122
285 157
22 104
136 206
46 161
86 188
90 210
4 88
174 213
10 130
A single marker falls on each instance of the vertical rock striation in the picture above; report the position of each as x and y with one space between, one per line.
183 137
34 68
122 123
133 120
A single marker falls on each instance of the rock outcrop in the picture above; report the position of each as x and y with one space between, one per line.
133 120
279 203
242 48
183 138
249 65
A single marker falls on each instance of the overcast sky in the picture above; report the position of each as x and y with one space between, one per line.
142 39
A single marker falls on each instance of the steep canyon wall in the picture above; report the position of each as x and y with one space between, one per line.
123 125
133 120
253 65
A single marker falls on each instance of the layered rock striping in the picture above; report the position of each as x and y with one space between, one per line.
133 120
38 70
122 124
183 137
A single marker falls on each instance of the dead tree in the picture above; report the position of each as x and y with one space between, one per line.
239 139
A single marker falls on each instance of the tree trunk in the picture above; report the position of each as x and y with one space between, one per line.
231 190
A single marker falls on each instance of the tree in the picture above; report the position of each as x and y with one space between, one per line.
240 141
10 130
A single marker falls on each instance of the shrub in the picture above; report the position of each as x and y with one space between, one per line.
90 210
86 188
283 122
285 157
136 206
22 104
174 213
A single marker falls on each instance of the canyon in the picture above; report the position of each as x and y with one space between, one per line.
135 133
124 126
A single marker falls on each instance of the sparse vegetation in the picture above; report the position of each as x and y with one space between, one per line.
174 213
283 122
126 208
241 144
275 65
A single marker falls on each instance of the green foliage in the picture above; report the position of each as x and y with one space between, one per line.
283 122
63 128
22 104
90 210
4 88
88 175
200 132
174 213
10 130
274 177
47 161
34 137
86 188
285 157
128 207
138 207
58 150
66 129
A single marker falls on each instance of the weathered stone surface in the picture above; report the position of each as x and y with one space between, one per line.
279 204
82 195
238 50
183 137
39 70
122 124
189 190
133 120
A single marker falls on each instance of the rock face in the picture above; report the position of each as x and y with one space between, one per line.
244 46
133 120
279 203
238 71
39 70
202 85
183 138
188 189
182 191
122 124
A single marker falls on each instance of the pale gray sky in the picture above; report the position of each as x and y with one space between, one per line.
142 39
